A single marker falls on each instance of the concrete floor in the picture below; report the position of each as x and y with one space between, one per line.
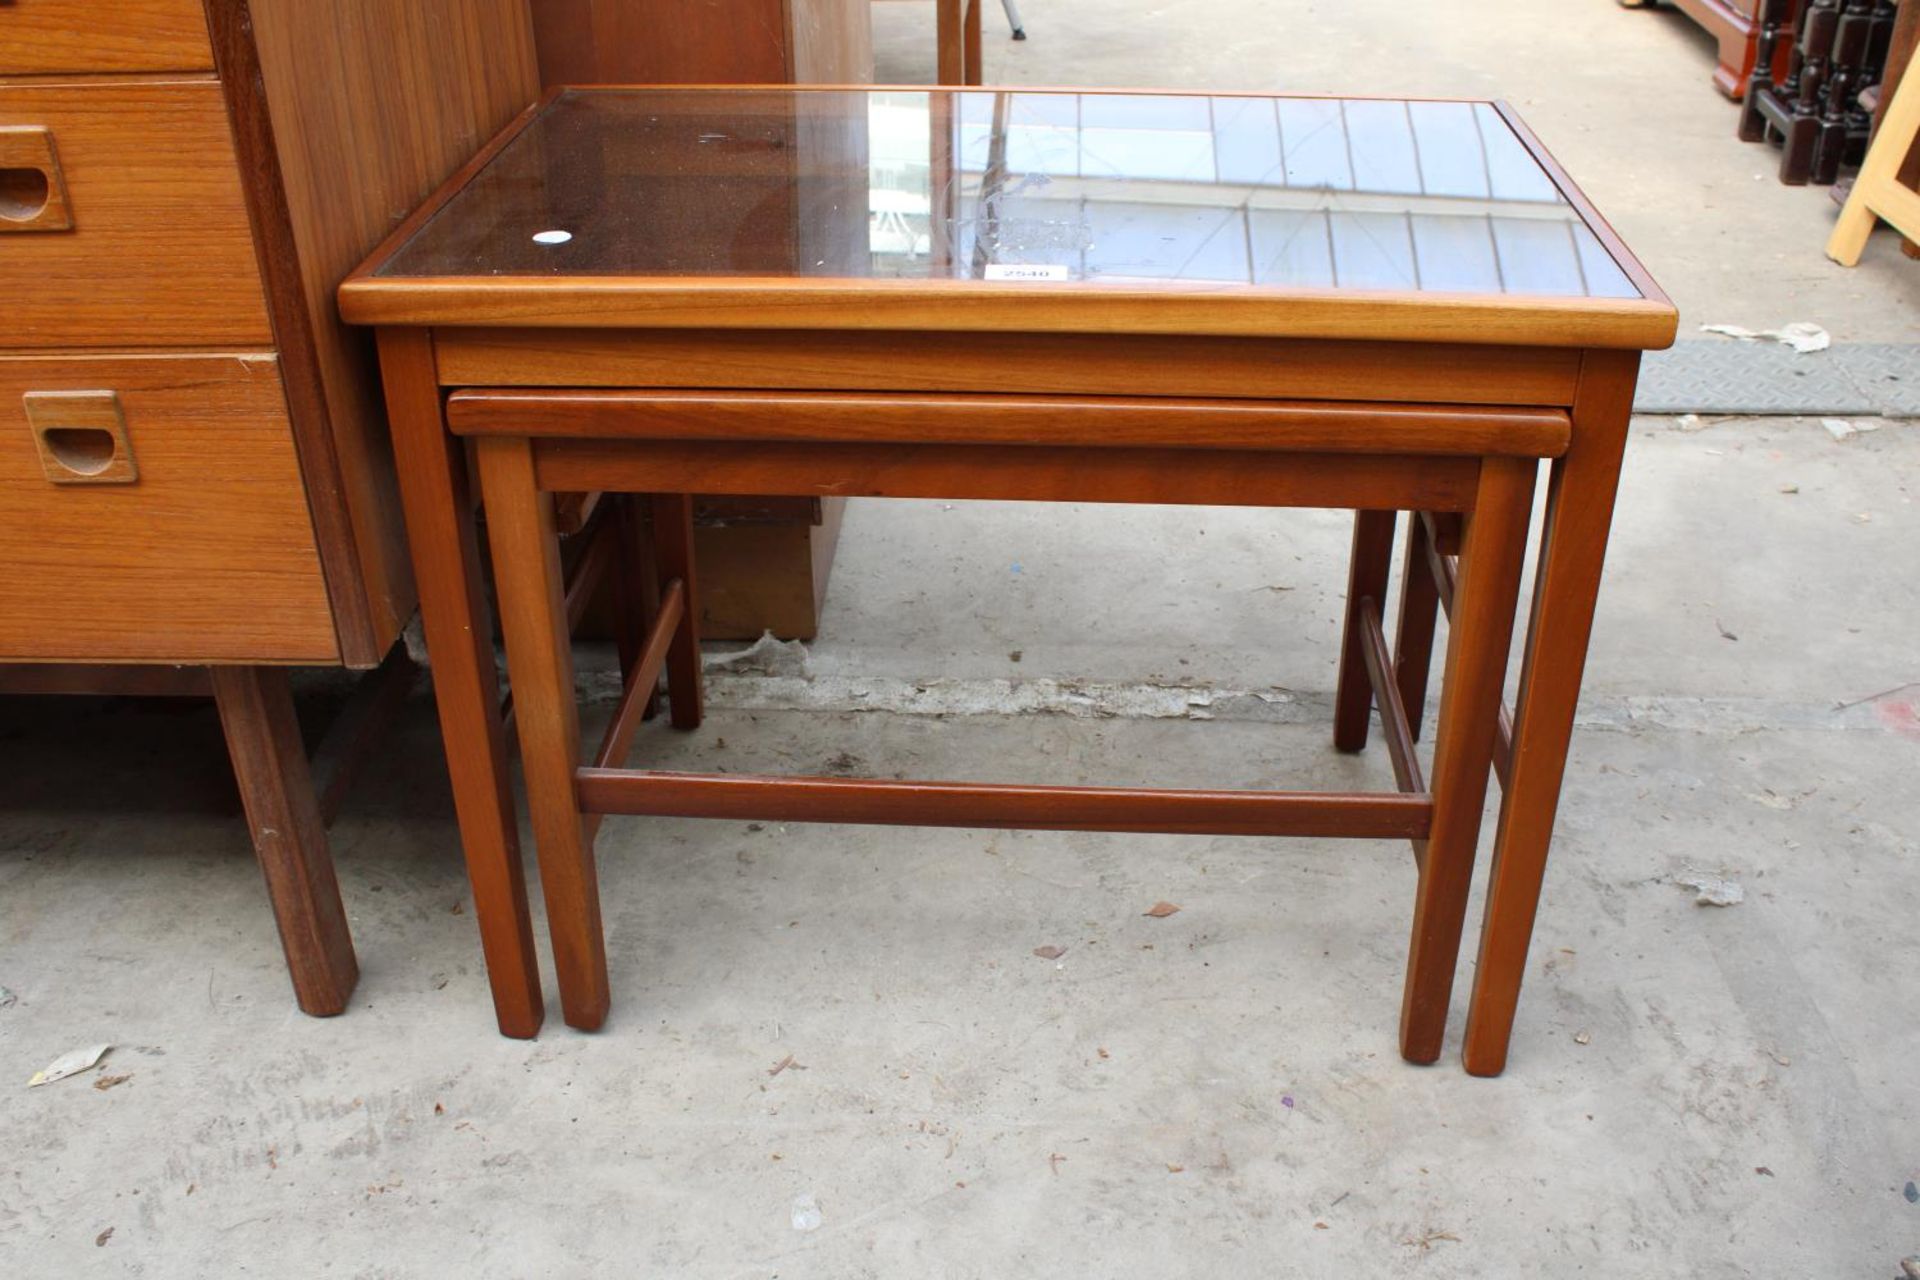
1715 1092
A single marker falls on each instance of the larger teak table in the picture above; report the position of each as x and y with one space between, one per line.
1379 306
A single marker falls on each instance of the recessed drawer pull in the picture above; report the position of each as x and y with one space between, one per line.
33 195
81 436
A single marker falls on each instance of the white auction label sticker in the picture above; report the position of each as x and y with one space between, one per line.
1024 271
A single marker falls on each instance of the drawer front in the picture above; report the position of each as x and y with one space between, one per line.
43 36
151 510
122 222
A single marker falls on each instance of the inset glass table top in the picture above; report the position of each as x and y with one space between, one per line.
1427 198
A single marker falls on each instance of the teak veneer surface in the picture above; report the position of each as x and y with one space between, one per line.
211 550
160 253
1039 364
1108 421
335 172
42 37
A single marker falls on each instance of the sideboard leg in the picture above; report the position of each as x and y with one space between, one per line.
283 816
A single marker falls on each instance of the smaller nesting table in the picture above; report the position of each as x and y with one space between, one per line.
1373 305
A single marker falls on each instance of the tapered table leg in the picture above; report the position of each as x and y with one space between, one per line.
435 492
526 572
270 764
1366 580
1580 498
673 542
1413 633
1481 632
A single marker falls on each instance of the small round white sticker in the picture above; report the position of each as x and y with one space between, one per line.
552 237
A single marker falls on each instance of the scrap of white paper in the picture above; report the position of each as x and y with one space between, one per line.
71 1063
1802 335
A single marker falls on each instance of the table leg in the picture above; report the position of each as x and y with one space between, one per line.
1580 498
950 41
434 491
533 613
636 586
1482 630
673 539
1413 633
1366 580
975 55
270 763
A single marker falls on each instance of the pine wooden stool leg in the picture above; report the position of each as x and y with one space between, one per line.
1877 191
1366 580
1580 498
673 541
526 571
270 763
1482 629
432 467
1413 632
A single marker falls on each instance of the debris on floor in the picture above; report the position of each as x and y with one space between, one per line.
1160 910
70 1063
767 656
806 1213
7 998
1049 952
1842 429
1712 891
1803 336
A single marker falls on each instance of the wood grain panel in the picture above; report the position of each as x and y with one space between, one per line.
1012 362
1025 473
160 253
40 37
208 557
945 305
704 41
1099 421
372 105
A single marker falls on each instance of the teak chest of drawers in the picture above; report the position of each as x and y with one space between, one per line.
196 488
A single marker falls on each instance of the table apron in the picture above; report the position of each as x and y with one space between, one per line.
1033 473
816 417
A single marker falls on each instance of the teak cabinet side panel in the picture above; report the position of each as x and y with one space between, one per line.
372 106
705 41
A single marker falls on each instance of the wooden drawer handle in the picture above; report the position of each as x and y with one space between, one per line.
33 194
81 436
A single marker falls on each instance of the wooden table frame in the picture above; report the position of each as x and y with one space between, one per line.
1441 405
534 442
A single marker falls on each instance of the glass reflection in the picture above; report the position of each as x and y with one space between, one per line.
1287 192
